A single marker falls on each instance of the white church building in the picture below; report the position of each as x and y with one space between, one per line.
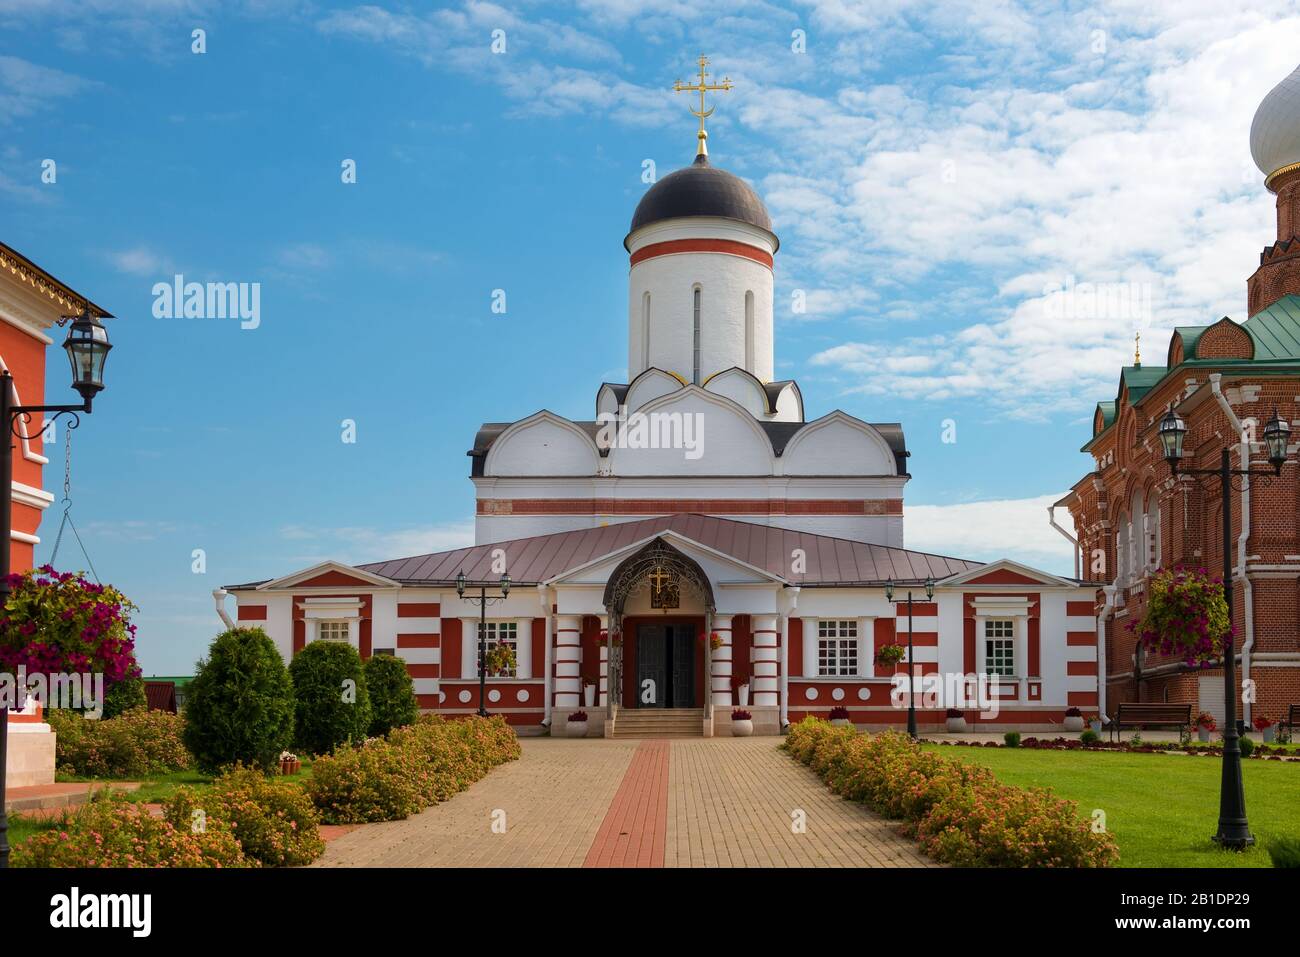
701 542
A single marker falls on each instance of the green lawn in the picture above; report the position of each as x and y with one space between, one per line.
1161 808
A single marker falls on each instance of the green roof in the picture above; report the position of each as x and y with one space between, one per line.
1140 379
1190 335
1107 413
1276 330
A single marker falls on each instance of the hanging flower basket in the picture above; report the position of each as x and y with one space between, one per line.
890 655
1186 616
500 660
715 641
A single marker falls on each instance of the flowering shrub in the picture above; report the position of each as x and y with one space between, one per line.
57 622
1206 720
1186 615
960 812
112 832
500 659
417 766
1262 723
276 824
740 714
132 745
839 713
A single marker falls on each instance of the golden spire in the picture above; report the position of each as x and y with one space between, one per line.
701 88
1137 348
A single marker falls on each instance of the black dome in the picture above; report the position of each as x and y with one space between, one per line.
701 190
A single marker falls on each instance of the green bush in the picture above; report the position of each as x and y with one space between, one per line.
1012 739
112 832
123 696
392 694
1090 737
332 703
418 766
133 745
239 707
1246 745
960 812
275 823
1284 851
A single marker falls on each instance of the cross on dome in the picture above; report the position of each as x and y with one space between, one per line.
702 87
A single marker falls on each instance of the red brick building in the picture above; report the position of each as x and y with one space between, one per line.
1132 517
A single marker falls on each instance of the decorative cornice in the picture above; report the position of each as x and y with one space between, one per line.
1280 171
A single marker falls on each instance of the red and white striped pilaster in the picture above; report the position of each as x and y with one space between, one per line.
568 657
767 661
602 689
721 661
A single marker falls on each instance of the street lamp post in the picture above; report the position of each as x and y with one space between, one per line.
1234 831
87 347
911 665
482 600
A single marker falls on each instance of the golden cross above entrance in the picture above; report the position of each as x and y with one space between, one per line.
702 87
658 577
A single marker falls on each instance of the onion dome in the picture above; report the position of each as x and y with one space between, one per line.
1275 132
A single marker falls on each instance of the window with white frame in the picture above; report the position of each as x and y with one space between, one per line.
499 633
1000 646
837 647
332 631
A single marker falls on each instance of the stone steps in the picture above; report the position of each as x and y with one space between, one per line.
659 723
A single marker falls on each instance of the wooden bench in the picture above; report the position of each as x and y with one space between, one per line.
1134 714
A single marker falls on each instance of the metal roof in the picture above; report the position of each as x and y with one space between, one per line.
830 561
701 190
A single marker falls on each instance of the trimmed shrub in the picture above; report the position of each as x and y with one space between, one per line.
1012 739
112 832
124 696
418 766
276 824
239 707
392 694
959 811
375 782
136 744
1089 737
332 704
1246 746
1284 851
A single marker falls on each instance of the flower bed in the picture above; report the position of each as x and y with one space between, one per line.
135 744
416 767
960 813
1142 747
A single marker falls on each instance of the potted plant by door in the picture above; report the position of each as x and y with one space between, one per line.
956 721
840 716
576 726
589 692
742 723
1094 722
740 684
1205 726
1073 719
1265 727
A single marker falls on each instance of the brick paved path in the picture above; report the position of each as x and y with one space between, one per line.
717 802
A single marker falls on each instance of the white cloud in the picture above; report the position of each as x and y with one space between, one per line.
358 545
140 261
985 531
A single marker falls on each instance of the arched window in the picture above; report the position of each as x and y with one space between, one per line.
749 330
1121 549
645 331
1154 556
695 377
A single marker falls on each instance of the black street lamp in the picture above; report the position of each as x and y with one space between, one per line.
482 600
1234 831
911 665
87 347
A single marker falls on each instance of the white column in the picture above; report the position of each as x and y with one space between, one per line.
810 647
543 596
568 651
767 652
721 671
602 689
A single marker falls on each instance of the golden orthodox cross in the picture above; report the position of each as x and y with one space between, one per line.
701 88
658 577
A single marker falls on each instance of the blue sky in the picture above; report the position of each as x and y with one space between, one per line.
935 172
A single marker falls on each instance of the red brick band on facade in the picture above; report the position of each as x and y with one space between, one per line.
725 246
673 506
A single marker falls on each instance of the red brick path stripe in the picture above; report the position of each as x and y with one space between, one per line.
636 824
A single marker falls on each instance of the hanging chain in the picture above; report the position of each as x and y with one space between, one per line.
67 507
67 465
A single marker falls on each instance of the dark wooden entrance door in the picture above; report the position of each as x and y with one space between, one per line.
665 666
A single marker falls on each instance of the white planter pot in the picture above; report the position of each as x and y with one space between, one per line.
1074 723
1270 734
742 694
1203 734
576 729
742 728
589 695
1096 726
840 722
957 725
